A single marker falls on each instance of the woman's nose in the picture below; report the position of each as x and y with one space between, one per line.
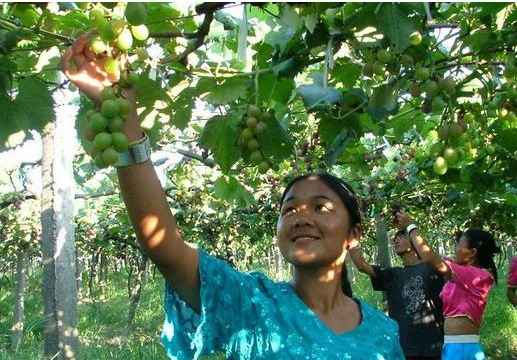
301 221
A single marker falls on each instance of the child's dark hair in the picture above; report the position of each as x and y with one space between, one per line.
484 242
400 233
351 202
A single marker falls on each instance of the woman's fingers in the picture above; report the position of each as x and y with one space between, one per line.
66 60
89 54
79 60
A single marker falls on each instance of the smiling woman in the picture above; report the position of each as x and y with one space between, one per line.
313 315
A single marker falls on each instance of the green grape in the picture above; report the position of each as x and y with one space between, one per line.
89 134
415 38
98 46
107 94
110 65
110 156
265 116
253 111
448 84
259 128
110 108
120 142
96 15
251 122
384 56
116 124
256 157
82 5
107 33
93 151
98 122
99 161
140 32
440 166
109 5
406 60
136 13
102 140
378 68
125 40
247 134
101 24
132 78
263 167
253 144
117 26
142 54
124 107
89 113
422 73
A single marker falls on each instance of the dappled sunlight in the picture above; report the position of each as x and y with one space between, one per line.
152 231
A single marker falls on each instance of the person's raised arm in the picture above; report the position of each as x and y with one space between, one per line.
143 194
360 262
423 249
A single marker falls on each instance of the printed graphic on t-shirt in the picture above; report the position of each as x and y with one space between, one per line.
414 294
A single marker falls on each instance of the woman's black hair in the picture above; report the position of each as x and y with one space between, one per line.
351 202
484 243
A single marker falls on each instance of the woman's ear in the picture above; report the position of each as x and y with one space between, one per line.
473 253
353 237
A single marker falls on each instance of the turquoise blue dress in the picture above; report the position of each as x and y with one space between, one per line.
248 316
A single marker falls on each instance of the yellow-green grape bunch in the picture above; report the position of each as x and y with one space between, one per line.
254 122
105 126
116 36
449 149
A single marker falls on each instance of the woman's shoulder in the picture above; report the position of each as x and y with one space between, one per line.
373 316
220 269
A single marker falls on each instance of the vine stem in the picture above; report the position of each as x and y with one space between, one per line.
257 73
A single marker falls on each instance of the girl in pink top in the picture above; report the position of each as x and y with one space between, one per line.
511 285
470 276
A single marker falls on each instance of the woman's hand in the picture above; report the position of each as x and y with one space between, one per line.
402 219
86 70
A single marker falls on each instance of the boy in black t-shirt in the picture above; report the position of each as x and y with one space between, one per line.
413 298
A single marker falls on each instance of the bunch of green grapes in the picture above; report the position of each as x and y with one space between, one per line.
103 130
115 37
254 121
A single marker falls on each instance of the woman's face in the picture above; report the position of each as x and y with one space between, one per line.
314 226
464 255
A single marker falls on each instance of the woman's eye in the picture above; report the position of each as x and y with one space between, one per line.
321 207
289 210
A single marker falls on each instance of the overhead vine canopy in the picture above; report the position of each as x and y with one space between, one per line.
412 101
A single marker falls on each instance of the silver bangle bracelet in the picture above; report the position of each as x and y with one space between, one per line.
136 154
410 228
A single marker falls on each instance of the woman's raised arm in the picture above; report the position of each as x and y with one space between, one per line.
143 194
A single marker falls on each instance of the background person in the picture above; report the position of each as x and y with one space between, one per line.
512 283
413 298
470 276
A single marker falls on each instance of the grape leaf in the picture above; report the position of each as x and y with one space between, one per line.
220 135
275 141
316 97
36 100
232 191
224 92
